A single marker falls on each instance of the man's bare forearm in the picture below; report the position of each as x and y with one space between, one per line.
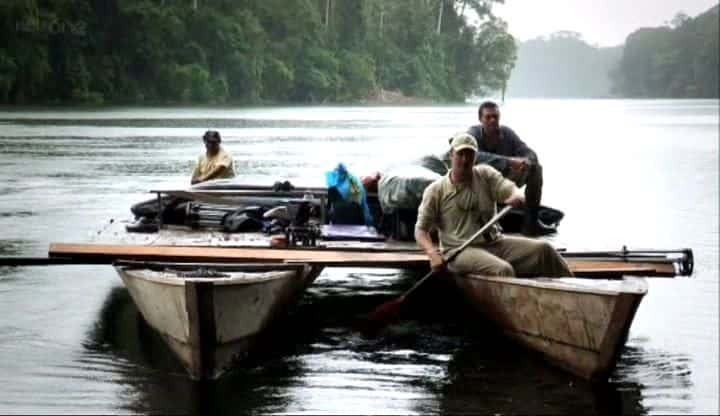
424 240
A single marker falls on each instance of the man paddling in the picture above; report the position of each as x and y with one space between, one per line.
500 147
215 163
461 202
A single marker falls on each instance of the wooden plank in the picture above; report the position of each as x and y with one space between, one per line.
96 252
580 267
100 253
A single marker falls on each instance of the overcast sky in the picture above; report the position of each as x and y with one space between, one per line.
602 22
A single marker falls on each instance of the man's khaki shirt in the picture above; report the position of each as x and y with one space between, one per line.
459 210
206 164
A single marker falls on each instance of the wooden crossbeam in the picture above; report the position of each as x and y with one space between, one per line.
97 252
107 253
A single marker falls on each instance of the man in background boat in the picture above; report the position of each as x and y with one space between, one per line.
461 202
500 147
215 163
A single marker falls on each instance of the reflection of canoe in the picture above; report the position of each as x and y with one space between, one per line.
213 315
578 324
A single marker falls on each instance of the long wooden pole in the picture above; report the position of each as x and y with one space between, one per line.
50 261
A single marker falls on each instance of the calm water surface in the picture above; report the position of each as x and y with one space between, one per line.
637 173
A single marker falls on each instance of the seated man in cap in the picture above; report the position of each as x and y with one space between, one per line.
461 202
215 163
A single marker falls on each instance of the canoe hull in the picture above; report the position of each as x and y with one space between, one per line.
211 323
578 325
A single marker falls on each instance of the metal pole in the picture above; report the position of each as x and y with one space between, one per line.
160 210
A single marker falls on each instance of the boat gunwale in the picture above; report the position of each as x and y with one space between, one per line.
635 285
156 277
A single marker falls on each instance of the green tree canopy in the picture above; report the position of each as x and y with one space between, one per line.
205 51
678 60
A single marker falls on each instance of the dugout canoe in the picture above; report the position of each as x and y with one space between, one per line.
580 325
213 315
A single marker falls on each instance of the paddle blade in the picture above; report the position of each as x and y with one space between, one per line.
384 314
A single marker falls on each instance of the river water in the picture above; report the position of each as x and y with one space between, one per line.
637 173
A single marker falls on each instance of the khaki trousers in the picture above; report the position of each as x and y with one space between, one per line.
511 256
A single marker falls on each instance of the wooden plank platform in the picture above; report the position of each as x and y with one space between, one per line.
627 268
99 253
198 254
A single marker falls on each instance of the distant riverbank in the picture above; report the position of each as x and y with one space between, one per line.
378 97
385 97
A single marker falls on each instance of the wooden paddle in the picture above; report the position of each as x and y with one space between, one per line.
388 311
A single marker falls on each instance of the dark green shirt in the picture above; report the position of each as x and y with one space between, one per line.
508 145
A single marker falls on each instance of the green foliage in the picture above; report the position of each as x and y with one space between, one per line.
357 76
278 79
317 76
680 60
151 51
8 71
496 44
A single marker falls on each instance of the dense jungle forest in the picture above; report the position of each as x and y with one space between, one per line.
249 51
679 60
328 51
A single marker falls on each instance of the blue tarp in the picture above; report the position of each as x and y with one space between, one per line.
349 188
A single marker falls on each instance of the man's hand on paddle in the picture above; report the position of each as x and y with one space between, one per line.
517 199
425 242
437 262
